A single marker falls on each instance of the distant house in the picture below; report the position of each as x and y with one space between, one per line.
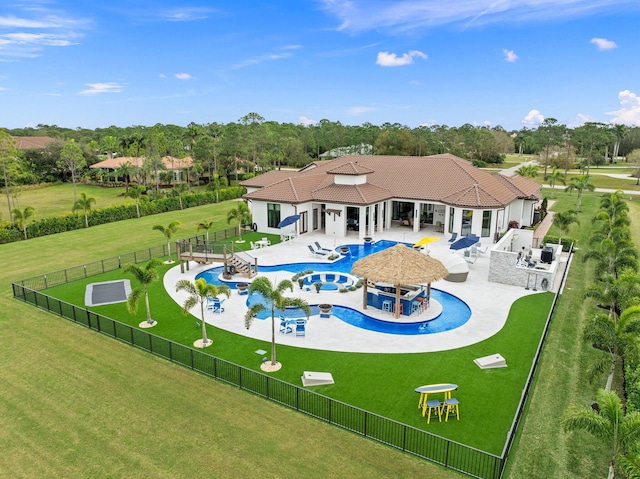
361 149
368 194
176 165
33 142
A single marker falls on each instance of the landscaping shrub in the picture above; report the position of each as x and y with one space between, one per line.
566 242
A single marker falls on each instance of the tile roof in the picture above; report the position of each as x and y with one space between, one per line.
351 168
27 142
442 178
170 162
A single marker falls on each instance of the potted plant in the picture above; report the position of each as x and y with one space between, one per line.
325 310
242 288
301 282
318 286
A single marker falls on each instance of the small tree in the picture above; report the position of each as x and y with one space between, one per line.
20 218
125 171
145 276
528 171
555 176
205 225
580 184
563 221
275 299
72 159
241 214
84 203
608 423
168 232
136 192
199 291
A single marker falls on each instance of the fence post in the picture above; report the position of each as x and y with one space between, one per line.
84 266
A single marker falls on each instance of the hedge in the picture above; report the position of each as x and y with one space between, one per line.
99 216
566 242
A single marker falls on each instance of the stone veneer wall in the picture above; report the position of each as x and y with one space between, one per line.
502 269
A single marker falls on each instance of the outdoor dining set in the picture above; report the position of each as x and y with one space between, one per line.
448 406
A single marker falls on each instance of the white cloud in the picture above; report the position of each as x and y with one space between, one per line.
603 44
260 59
629 113
359 110
533 118
386 59
183 76
96 88
415 15
509 55
307 121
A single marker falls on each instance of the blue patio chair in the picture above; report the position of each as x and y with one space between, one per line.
215 305
300 327
285 328
315 252
453 237
320 248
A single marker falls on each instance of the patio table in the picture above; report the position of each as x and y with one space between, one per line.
424 392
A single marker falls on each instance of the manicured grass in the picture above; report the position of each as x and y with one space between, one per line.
381 383
543 450
77 404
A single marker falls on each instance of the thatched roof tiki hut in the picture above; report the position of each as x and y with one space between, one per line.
399 265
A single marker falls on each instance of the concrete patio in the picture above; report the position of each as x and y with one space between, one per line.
489 302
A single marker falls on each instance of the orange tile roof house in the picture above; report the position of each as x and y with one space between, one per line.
369 193
33 142
176 165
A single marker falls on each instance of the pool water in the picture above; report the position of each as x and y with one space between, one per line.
455 312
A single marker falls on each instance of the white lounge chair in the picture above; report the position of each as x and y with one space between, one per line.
315 252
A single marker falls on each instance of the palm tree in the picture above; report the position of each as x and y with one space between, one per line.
608 423
136 192
84 203
274 299
241 214
615 293
552 178
613 258
205 225
528 171
617 338
20 218
167 232
580 184
145 276
179 190
563 220
199 292
125 171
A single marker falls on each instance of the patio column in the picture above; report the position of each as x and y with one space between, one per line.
380 217
416 217
362 222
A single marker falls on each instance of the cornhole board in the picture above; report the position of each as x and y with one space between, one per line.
313 378
491 361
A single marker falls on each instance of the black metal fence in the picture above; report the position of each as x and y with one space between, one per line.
451 454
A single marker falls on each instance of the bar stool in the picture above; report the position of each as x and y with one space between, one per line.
450 406
401 308
423 303
386 305
434 405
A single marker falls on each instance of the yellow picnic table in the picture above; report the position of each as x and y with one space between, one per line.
424 392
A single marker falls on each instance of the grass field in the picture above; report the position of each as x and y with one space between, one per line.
77 404
380 383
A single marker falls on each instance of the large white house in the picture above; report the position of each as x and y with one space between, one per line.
368 194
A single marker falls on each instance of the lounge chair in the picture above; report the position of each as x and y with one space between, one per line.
320 248
315 252
265 241
253 245
453 237
300 327
285 328
215 305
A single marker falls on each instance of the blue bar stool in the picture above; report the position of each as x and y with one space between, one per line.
386 305
433 405
450 406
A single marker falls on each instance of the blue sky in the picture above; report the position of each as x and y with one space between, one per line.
95 63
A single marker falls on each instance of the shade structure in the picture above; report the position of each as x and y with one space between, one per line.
289 220
399 265
425 240
465 242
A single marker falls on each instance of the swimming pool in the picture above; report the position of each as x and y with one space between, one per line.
455 312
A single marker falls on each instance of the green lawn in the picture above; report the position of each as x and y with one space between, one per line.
381 383
77 404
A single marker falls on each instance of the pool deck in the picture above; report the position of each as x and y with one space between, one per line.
489 302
